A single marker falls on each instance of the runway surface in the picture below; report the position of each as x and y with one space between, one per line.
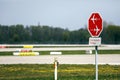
61 47
112 59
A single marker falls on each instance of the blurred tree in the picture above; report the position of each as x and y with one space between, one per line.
45 34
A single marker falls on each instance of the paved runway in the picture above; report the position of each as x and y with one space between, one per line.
112 59
59 49
63 48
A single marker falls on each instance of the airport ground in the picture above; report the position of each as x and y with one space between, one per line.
71 67
65 72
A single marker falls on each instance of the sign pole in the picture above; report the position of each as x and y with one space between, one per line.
55 72
96 60
95 28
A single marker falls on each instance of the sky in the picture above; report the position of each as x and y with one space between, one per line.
67 14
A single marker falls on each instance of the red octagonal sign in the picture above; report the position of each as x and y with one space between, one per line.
95 25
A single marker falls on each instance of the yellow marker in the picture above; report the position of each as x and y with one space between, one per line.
27 54
27 46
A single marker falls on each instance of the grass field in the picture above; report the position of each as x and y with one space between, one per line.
65 72
68 52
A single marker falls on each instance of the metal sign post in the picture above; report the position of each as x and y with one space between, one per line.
55 65
96 61
95 28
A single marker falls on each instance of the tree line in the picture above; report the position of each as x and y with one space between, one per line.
19 34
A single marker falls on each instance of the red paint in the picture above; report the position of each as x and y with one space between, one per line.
95 25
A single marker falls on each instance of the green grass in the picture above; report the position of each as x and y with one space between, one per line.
68 52
107 51
6 53
63 52
65 72
46 53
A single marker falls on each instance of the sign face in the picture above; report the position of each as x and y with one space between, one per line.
94 41
95 25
